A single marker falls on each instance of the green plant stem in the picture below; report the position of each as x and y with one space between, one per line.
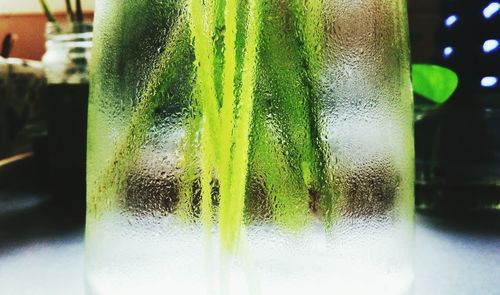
207 161
69 11
207 99
79 12
228 98
189 164
46 10
205 84
232 205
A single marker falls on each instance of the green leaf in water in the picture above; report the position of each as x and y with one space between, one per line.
434 82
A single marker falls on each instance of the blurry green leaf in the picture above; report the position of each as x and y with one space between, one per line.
434 82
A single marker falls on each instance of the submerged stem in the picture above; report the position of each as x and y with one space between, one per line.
232 205
189 164
204 52
228 99
207 154
202 31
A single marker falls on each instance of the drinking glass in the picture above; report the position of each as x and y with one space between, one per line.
250 147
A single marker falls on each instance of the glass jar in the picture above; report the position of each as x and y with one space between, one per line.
66 60
67 53
458 164
250 147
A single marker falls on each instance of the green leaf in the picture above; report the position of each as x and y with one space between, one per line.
434 82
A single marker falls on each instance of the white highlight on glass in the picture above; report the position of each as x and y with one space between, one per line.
489 82
451 20
492 9
490 45
448 51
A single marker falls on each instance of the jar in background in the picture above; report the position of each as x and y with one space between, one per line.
66 61
67 53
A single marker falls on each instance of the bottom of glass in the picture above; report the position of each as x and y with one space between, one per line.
137 255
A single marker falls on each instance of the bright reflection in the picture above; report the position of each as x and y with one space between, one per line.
448 51
451 20
489 82
490 45
491 9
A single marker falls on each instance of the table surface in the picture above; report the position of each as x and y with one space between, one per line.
42 250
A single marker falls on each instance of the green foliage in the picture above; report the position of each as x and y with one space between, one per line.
240 77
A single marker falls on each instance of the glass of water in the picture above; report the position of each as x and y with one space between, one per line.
250 147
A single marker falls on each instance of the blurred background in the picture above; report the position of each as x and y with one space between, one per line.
43 99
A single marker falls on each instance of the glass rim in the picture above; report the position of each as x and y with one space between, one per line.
68 28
